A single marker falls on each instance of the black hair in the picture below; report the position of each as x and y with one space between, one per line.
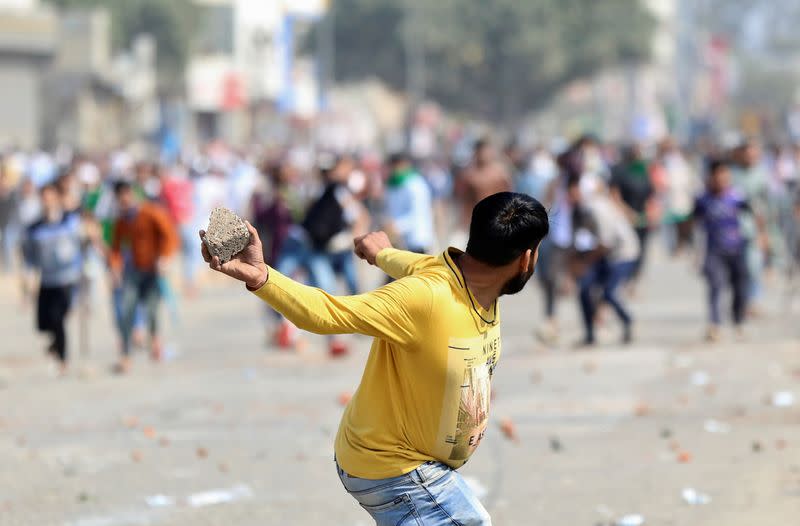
50 186
398 158
573 180
121 186
480 144
715 164
586 138
504 226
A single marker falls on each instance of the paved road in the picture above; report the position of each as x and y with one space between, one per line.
601 433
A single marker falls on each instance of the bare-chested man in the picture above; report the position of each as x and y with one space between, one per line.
483 177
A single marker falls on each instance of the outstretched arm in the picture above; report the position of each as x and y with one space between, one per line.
394 312
376 249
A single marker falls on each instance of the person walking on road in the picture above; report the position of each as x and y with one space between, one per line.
609 247
52 246
422 406
144 237
409 206
720 210
633 190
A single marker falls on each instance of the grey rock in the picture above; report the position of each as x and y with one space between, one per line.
227 234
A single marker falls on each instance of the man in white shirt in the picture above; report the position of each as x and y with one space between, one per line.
409 206
608 243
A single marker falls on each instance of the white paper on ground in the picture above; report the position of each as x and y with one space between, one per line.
219 496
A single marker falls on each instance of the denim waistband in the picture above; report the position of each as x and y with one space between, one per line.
425 472
429 471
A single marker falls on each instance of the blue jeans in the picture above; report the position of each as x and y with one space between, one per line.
297 255
189 254
731 268
755 270
609 277
138 288
343 263
9 245
432 495
139 319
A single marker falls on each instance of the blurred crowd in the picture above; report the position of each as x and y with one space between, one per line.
72 223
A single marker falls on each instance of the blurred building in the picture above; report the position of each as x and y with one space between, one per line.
242 69
83 107
60 83
28 36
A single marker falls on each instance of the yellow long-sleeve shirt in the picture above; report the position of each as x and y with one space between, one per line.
425 391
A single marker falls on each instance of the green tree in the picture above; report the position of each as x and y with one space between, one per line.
495 59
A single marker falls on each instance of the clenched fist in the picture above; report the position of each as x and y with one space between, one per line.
367 247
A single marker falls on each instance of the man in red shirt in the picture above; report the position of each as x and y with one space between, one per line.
177 194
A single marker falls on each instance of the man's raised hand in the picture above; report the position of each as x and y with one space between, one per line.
247 266
367 247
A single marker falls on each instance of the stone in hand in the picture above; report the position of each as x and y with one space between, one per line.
227 234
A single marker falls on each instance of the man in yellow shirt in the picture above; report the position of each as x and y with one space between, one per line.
422 406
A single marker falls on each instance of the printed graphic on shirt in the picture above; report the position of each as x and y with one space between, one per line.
465 408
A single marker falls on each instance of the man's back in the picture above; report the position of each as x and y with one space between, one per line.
425 391
422 406
426 398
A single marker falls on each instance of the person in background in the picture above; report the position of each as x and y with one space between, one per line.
555 248
29 211
210 190
609 248
720 210
440 181
146 182
274 208
780 171
537 176
277 208
177 194
750 179
143 239
42 169
594 170
311 244
242 179
516 160
681 187
340 246
8 218
52 248
409 206
484 176
632 189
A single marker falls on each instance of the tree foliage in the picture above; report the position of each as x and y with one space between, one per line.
495 58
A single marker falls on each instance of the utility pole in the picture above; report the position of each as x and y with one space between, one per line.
684 68
326 54
415 63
